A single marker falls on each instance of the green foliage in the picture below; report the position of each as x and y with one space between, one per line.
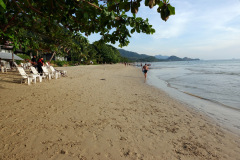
60 63
24 56
124 59
18 62
2 4
171 9
79 49
135 57
94 61
63 63
105 53
148 59
72 63
50 25
54 26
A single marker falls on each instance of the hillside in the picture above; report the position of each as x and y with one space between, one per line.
161 57
135 57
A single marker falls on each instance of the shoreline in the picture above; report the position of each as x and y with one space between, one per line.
226 116
105 112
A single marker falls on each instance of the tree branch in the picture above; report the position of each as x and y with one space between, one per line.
8 25
92 5
34 8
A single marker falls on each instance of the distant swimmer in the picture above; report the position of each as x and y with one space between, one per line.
145 70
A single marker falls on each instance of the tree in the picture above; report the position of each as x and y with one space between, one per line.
49 19
78 48
92 53
104 53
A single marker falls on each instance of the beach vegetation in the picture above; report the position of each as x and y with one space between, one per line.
60 63
24 56
58 26
104 53
136 57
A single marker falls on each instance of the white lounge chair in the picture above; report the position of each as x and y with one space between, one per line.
36 74
28 65
15 65
47 65
54 72
63 72
29 78
23 65
46 72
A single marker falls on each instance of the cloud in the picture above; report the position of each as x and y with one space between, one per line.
174 26
200 29
215 16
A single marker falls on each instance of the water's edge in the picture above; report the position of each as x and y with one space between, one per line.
225 116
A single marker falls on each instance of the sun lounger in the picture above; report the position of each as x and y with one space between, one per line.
36 74
28 65
46 72
23 65
47 65
54 72
25 76
63 72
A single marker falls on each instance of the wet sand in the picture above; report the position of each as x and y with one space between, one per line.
104 112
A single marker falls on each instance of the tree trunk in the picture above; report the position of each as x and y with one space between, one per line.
52 56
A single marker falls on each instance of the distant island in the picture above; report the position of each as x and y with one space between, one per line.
136 57
175 58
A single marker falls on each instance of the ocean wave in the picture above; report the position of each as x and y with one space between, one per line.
203 98
203 71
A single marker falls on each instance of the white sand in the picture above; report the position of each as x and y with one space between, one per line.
104 112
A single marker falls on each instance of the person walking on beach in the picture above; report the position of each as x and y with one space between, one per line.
145 70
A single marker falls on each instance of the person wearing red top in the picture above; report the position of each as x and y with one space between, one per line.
40 63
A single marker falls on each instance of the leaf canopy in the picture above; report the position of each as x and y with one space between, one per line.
49 24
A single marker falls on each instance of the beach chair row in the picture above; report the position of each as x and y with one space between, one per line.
35 76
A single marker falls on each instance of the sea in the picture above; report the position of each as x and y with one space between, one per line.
210 86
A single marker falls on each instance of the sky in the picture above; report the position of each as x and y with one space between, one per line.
205 29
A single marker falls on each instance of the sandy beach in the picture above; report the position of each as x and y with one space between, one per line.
104 112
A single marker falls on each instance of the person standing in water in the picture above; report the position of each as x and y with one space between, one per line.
145 70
